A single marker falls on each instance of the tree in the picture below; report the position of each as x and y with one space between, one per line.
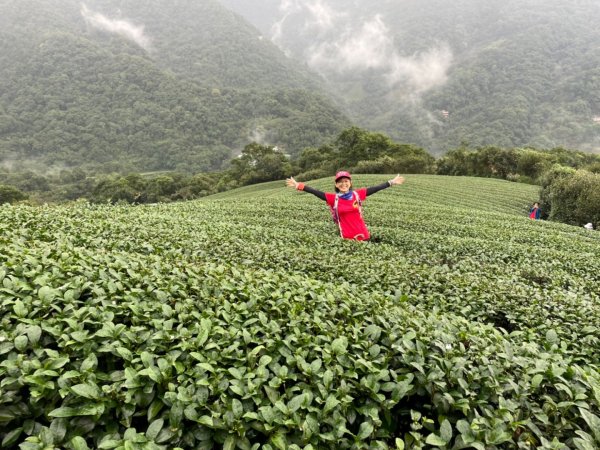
10 194
495 162
355 144
456 162
573 195
532 163
258 163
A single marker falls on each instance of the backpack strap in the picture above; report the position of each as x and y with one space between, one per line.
359 201
336 214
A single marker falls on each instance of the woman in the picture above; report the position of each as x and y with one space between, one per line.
346 203
535 212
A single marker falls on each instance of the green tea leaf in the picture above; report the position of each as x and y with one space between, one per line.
536 381
230 443
21 343
330 403
47 294
279 441
237 374
147 359
11 437
34 334
435 440
154 429
125 353
237 408
296 402
365 430
551 336
19 309
593 422
86 390
89 363
88 410
446 431
339 345
78 443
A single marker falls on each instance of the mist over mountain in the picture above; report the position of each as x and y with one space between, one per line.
439 73
145 85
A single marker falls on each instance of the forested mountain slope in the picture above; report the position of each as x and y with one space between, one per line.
143 85
513 73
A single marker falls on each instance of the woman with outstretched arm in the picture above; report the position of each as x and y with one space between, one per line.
346 203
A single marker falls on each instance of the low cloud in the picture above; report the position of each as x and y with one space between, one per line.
121 27
366 48
322 16
346 44
423 71
319 17
370 46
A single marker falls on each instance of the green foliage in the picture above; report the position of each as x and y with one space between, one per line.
510 163
170 326
364 151
521 72
258 163
533 163
10 194
165 187
572 196
73 96
526 76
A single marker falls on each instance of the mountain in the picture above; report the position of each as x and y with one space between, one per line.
144 85
439 73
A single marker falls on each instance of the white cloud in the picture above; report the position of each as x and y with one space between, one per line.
366 48
344 43
323 16
370 46
117 26
319 17
423 71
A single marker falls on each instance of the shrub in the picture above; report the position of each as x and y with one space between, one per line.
573 196
10 194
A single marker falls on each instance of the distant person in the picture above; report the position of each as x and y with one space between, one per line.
346 203
534 212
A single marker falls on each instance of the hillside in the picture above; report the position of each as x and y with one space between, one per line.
142 86
242 319
513 73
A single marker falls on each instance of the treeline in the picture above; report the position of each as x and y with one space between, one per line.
78 184
569 180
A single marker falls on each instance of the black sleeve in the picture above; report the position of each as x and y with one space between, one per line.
379 187
315 192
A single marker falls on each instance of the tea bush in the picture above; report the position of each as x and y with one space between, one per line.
243 321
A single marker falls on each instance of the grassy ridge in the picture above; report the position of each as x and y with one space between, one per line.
243 321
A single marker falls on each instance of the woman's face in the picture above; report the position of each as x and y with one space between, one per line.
343 184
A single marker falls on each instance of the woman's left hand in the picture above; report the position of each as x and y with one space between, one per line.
290 182
397 180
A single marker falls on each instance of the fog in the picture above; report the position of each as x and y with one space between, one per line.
347 42
119 26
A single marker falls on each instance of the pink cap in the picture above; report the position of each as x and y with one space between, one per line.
342 174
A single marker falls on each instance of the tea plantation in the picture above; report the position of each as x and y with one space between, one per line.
244 321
